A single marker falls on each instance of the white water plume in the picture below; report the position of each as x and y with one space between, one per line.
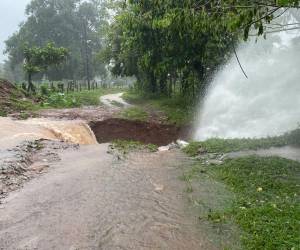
265 104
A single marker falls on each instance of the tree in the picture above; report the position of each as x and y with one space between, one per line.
61 22
38 59
168 46
244 15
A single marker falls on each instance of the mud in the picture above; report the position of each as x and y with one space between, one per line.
90 201
15 132
146 132
26 161
9 93
92 113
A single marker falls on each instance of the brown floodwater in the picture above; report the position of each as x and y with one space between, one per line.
13 132
92 200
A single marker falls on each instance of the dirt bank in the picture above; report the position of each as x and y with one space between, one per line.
9 97
146 132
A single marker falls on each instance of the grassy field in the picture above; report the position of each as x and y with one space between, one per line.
125 146
134 113
75 99
264 201
176 109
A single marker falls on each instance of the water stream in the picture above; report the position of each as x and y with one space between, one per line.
13 132
265 104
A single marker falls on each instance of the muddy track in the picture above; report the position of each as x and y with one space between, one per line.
90 200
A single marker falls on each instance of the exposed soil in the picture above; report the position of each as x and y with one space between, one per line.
26 161
7 92
146 132
92 113
89 200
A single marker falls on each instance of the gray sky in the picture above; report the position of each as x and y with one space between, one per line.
12 13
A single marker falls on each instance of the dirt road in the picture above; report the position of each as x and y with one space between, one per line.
87 198
114 100
91 200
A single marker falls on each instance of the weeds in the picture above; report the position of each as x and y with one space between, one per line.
232 145
134 113
125 146
176 109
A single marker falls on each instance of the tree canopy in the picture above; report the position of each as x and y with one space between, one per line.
74 24
175 46
38 59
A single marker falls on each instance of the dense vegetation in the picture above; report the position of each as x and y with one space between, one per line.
76 25
173 47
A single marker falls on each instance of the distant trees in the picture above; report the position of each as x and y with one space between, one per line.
38 59
74 24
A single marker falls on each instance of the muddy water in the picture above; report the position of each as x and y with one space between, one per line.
13 132
91 200
287 152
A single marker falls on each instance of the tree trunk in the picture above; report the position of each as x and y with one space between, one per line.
30 84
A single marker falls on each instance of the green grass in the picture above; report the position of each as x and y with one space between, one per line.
232 145
265 202
267 207
134 113
176 109
54 100
126 146
75 99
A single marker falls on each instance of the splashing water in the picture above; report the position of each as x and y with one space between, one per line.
266 104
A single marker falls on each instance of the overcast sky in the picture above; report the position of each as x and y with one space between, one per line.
12 13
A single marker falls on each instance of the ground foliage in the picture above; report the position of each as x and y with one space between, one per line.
264 202
216 145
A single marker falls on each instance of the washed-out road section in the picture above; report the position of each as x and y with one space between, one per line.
91 200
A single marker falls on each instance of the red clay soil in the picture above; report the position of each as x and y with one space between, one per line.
145 132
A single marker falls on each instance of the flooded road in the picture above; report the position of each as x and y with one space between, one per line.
14 132
86 197
90 200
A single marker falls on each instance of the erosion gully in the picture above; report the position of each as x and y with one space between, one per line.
61 189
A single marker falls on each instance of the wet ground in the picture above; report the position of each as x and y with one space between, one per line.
90 200
85 196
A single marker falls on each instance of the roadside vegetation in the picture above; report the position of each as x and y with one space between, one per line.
260 195
232 145
15 99
135 113
125 146
176 110
264 203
